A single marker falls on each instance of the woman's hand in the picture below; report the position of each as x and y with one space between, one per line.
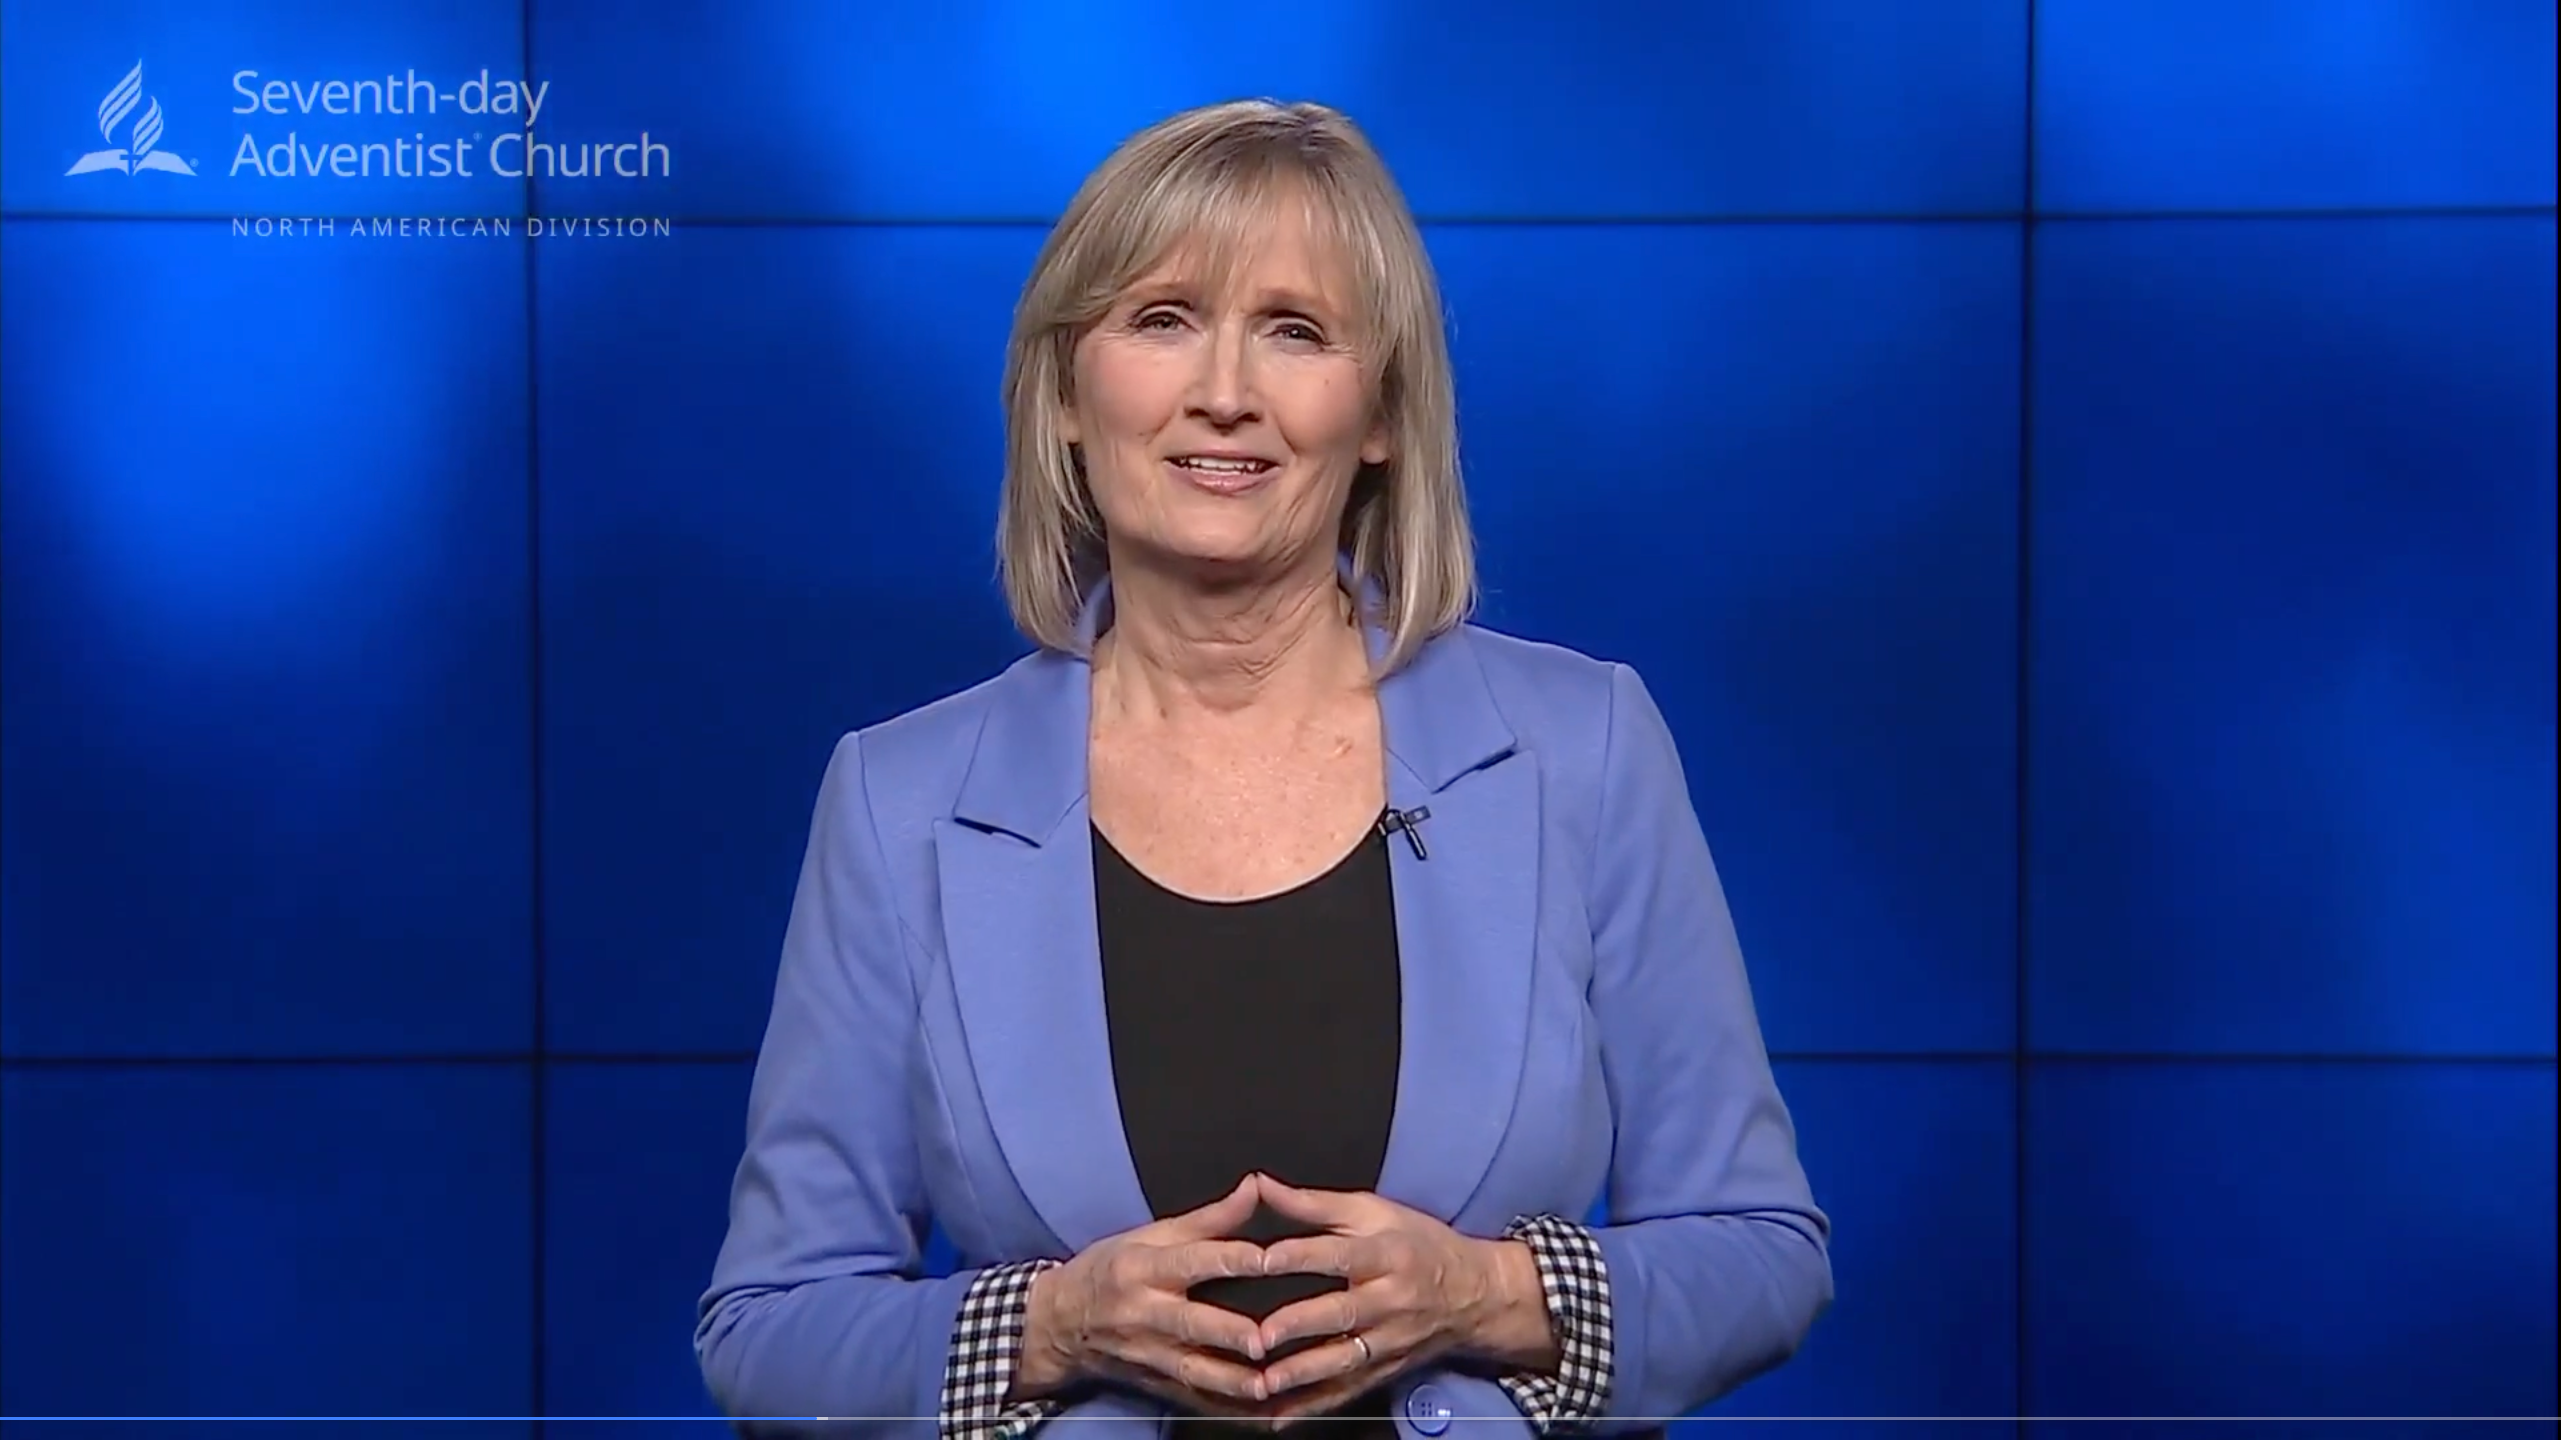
1418 1291
1119 1312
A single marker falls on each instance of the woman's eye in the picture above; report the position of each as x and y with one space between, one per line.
1304 334
1154 320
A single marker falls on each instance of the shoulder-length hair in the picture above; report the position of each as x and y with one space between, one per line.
1203 182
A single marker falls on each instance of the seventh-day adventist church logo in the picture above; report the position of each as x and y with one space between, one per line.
138 153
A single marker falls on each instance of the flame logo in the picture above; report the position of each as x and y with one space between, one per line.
142 151
119 103
146 131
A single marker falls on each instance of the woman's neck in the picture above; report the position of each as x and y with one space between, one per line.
1174 650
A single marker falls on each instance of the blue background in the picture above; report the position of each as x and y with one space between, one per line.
2079 476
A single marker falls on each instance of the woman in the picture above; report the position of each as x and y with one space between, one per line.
1256 981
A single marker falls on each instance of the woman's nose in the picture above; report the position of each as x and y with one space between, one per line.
1224 391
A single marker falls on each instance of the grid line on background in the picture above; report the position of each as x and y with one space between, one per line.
1669 221
2059 1059
2022 619
538 1074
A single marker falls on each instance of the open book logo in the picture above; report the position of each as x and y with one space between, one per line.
139 153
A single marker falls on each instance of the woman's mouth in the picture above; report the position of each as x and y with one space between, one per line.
1223 474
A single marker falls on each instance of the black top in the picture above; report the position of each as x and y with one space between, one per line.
1256 1035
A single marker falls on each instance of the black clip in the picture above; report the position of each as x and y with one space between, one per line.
1411 823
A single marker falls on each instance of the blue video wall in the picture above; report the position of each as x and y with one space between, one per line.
2078 475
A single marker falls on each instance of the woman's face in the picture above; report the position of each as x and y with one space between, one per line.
1224 430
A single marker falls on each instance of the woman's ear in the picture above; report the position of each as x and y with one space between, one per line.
1378 447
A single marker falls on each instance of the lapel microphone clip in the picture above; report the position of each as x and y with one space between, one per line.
1411 823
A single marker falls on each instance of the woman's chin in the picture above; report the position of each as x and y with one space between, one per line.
1218 552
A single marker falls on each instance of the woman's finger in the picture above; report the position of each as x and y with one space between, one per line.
1314 1255
1219 1218
1333 1209
1203 1373
1210 1327
1338 1366
1184 1266
1337 1312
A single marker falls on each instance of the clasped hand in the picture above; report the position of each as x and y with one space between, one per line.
1122 1311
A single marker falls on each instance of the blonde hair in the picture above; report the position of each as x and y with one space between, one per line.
1205 181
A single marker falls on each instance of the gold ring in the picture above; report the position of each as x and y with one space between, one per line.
1364 1345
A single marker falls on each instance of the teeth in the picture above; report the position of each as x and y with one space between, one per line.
1223 467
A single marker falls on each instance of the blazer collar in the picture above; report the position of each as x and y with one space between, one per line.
1029 770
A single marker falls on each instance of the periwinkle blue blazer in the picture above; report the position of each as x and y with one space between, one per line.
1576 1024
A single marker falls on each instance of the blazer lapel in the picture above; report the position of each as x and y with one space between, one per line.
1016 870
1466 924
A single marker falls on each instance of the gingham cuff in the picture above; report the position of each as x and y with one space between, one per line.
986 1345
1576 1282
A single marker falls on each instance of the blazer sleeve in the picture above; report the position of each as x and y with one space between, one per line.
1718 1261
817 1306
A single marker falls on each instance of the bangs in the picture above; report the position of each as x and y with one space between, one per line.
1201 217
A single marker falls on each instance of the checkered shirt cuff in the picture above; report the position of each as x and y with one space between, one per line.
1576 1281
986 1345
